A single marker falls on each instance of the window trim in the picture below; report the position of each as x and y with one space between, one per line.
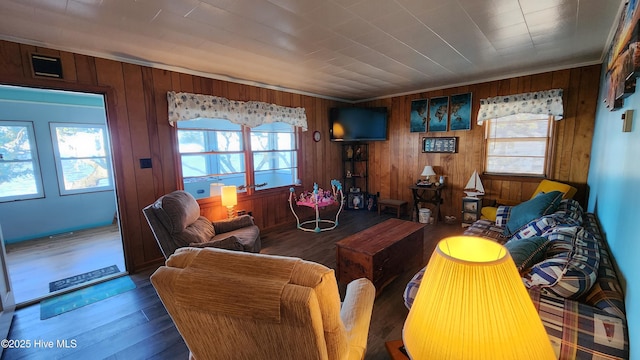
35 160
549 159
58 159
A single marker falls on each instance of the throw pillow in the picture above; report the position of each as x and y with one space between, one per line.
522 214
527 252
571 265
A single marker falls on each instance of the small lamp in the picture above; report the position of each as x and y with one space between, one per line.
428 171
472 304
229 199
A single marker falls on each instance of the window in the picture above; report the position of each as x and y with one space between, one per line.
19 169
82 157
275 161
212 151
518 144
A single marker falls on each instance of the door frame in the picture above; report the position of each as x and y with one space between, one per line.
109 96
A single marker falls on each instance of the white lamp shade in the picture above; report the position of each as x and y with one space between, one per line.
472 304
229 196
428 171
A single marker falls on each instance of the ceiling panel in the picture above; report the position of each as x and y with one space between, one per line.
346 49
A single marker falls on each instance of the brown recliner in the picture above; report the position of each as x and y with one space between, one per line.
176 222
238 305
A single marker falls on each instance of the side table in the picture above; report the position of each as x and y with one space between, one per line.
471 207
396 350
427 194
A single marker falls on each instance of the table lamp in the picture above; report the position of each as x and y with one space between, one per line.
428 171
229 198
472 304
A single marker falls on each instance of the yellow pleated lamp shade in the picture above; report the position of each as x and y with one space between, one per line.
472 304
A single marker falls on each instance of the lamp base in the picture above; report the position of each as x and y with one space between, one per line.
230 212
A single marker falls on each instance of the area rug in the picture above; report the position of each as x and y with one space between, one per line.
82 278
77 299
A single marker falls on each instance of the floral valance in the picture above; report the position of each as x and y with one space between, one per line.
186 106
541 102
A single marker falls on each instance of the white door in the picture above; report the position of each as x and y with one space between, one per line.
7 302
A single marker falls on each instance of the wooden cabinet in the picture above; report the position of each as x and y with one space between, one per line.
470 210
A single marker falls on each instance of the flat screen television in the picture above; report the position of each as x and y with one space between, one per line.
358 124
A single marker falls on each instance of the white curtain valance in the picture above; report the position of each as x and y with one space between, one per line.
541 102
186 106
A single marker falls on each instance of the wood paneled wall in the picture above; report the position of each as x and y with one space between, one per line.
138 123
137 119
397 163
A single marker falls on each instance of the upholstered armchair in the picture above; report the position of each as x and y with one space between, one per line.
176 222
545 186
239 305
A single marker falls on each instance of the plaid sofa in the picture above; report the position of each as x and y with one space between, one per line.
588 324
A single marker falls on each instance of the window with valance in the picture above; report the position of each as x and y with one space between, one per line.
211 133
518 133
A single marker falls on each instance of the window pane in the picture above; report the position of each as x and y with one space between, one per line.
85 173
212 164
15 143
17 178
276 178
19 170
515 165
190 141
227 141
515 129
273 160
259 141
80 142
517 148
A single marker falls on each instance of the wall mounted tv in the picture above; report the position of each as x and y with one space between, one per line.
358 124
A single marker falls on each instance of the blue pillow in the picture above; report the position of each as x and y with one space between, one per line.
522 214
527 252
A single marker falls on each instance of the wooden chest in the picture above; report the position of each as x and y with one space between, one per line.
381 252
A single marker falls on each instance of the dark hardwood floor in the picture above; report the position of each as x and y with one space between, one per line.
135 325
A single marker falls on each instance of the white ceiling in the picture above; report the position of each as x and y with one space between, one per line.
344 49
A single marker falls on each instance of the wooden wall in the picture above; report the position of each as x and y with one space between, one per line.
397 163
137 120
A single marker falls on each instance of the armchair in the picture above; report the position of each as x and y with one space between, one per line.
545 186
176 222
238 305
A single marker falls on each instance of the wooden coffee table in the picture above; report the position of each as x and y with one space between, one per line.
381 252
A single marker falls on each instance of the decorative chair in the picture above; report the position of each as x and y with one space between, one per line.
238 305
176 222
545 186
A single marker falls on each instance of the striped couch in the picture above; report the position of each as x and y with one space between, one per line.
574 287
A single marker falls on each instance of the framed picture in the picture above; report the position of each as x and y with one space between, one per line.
438 111
440 144
460 112
419 115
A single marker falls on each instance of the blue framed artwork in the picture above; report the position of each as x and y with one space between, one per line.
460 112
438 113
419 115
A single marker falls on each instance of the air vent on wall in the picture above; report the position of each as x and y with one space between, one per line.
46 66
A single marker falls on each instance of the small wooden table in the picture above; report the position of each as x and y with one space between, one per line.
395 349
381 252
427 194
397 204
